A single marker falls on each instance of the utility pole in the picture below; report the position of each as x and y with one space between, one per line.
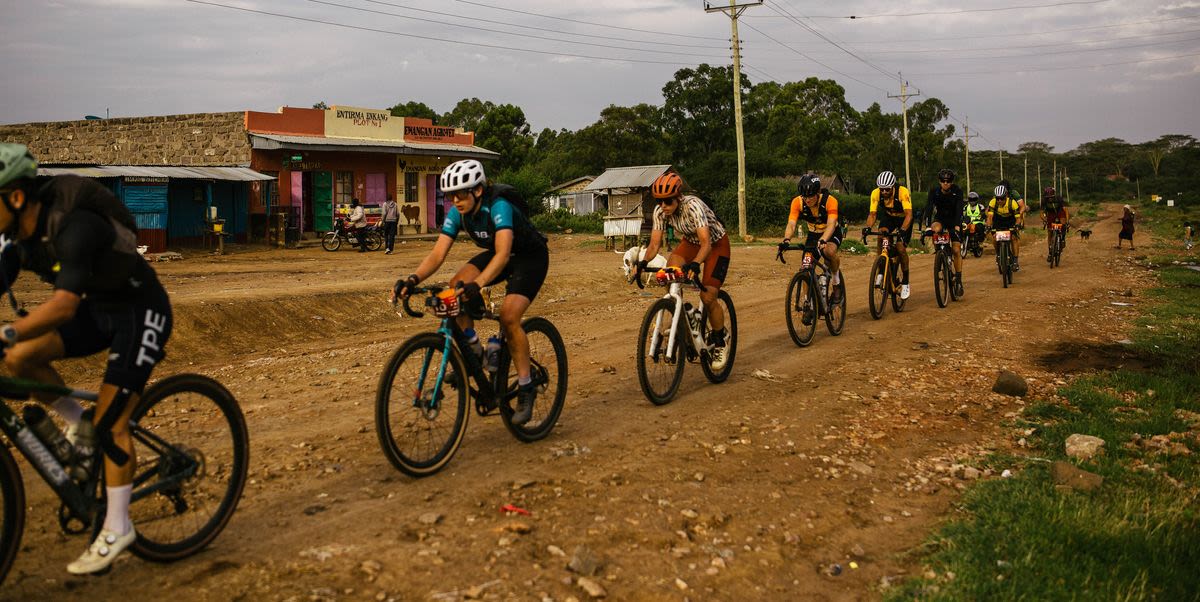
1001 164
1067 187
1025 184
734 10
904 95
967 147
1054 175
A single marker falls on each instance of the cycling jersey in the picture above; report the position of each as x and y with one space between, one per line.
1009 208
490 217
974 213
890 206
690 216
1053 216
945 208
816 221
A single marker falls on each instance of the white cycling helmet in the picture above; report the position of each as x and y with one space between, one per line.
460 175
1001 191
886 179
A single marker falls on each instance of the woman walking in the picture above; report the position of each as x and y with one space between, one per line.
1126 228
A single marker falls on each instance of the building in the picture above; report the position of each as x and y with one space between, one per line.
262 173
571 196
630 204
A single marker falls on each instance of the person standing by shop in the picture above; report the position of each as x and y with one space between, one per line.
391 221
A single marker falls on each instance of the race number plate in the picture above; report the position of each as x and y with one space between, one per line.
807 261
1002 235
941 238
1056 226
886 242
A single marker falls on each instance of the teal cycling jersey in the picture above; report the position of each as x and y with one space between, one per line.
492 216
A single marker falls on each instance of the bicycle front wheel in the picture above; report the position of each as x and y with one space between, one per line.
331 241
1005 264
713 374
548 368
800 309
419 423
12 510
658 373
941 279
192 452
879 287
835 318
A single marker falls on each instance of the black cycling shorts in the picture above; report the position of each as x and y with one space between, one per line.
814 237
134 332
525 272
893 225
1005 223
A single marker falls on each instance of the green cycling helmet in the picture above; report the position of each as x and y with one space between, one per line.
16 163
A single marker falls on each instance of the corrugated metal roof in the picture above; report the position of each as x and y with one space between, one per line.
280 141
628 177
235 174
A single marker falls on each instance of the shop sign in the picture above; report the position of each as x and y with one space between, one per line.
355 122
145 180
419 167
301 165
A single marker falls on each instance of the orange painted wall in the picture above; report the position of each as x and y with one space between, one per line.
290 120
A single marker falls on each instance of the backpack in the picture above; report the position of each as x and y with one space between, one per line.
510 194
84 194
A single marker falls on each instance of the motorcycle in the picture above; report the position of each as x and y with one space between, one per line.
973 239
333 239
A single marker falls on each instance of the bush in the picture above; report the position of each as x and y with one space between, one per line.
561 220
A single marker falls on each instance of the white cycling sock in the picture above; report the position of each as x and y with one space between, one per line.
116 518
69 409
837 279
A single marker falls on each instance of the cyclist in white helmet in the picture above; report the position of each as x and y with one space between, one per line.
897 217
1005 213
493 216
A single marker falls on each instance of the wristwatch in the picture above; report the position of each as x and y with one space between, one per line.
8 335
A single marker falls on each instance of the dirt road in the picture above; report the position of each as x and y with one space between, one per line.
747 490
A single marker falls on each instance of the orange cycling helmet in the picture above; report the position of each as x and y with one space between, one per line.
666 186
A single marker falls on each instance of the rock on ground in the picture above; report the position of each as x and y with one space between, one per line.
1083 447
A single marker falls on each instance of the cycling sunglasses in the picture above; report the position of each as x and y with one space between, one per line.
946 181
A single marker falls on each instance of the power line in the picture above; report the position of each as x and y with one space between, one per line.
434 39
954 12
1026 46
1023 35
1078 51
841 73
1011 70
574 33
544 16
839 46
498 31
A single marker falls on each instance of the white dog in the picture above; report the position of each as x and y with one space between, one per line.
636 254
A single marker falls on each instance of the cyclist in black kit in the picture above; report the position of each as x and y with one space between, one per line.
77 236
944 211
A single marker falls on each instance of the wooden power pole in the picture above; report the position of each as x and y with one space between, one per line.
904 95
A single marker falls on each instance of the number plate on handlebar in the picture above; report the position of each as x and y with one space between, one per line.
941 238
807 261
1002 235
886 242
445 304
1056 226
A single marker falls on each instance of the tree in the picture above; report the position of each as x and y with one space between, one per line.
468 113
321 105
808 123
413 108
623 136
698 112
1110 156
503 129
926 142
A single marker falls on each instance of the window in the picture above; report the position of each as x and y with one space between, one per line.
410 187
343 188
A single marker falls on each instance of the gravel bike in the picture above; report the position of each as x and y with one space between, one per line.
192 454
809 296
421 403
885 274
1056 234
1004 253
944 286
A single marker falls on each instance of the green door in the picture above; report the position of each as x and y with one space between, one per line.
322 201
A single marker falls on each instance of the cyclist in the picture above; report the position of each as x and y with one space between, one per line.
974 215
1054 211
819 210
944 211
76 235
1004 213
704 242
491 214
897 216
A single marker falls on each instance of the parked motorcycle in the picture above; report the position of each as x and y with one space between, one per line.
333 239
973 235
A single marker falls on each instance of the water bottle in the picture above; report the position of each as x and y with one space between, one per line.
492 355
85 448
823 289
47 432
474 343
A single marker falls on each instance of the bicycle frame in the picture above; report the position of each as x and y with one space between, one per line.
696 342
889 253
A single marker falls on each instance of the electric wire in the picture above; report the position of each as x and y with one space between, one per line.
843 74
973 38
545 16
954 12
813 31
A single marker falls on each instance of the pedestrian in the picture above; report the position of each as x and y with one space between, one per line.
391 221
358 224
1188 231
1126 228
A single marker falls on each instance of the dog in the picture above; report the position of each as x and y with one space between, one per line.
1085 234
635 254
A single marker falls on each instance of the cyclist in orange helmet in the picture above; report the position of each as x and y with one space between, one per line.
703 253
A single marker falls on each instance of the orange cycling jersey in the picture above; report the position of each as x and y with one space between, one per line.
1055 217
816 221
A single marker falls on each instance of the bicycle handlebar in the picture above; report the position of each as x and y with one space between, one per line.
792 247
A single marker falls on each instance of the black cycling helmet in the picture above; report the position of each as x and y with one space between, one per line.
809 185
946 174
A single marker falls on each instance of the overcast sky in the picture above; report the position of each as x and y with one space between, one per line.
1048 73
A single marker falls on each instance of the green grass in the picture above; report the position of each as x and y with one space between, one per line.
1138 536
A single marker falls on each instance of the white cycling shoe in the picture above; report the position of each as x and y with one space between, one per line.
903 292
102 553
717 357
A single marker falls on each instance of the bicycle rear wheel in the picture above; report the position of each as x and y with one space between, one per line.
192 453
659 375
419 424
548 368
835 318
12 510
879 287
713 375
1005 264
941 279
800 309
